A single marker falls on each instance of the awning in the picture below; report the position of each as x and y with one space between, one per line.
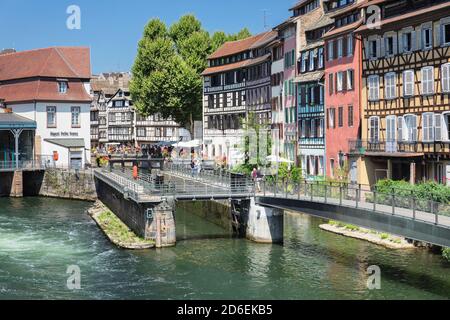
14 121
67 143
310 77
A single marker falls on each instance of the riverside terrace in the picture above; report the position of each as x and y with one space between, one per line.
262 206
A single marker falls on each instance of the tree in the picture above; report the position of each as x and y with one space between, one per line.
167 70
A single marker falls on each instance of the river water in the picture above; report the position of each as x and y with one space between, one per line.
40 238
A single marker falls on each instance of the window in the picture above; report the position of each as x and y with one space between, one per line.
427 38
374 129
445 70
350 116
350 79
408 83
332 167
407 41
340 47
427 127
400 136
340 81
75 116
303 129
410 128
389 45
141 132
311 60
51 117
349 45
427 80
331 118
438 120
330 50
330 83
304 60
374 87
445 34
390 85
341 117
320 61
321 127
373 48
62 87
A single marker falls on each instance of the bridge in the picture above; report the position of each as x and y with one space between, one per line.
257 210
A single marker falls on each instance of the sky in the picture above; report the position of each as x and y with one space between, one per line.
112 28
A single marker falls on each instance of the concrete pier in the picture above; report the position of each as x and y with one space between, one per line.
257 223
149 220
11 184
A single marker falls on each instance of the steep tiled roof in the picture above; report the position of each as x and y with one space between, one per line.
61 62
232 47
42 90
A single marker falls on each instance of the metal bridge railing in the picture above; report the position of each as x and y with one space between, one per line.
355 196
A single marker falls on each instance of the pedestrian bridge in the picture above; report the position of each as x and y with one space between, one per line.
409 217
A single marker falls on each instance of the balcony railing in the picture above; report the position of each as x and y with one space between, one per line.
364 146
39 162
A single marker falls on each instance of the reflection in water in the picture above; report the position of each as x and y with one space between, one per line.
39 238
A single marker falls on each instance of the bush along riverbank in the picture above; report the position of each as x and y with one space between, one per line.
383 239
115 230
446 254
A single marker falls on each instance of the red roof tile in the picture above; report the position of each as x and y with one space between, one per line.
233 47
42 90
60 62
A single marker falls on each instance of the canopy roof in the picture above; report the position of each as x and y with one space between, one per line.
67 143
14 121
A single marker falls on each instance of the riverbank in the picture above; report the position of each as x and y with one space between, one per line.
382 239
115 230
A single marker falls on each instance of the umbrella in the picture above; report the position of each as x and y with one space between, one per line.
273 158
188 144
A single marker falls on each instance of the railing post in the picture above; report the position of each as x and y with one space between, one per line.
326 187
375 200
393 203
357 198
264 186
299 190
286 188
312 192
340 194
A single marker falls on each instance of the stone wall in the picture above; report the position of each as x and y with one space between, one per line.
217 212
60 183
6 179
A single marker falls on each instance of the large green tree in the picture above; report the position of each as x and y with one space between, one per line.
167 71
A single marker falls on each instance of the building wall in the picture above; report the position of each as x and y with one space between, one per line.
337 138
38 113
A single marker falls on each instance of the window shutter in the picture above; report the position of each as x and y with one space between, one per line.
400 42
344 81
414 41
335 49
380 47
438 127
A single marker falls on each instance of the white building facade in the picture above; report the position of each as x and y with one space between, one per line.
52 87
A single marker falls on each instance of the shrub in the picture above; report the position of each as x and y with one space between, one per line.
384 236
446 253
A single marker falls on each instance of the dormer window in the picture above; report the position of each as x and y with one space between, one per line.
62 86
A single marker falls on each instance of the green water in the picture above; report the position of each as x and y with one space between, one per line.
40 237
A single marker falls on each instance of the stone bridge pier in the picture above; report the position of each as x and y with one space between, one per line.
257 223
151 220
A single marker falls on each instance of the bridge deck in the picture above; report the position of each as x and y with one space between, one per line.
371 207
